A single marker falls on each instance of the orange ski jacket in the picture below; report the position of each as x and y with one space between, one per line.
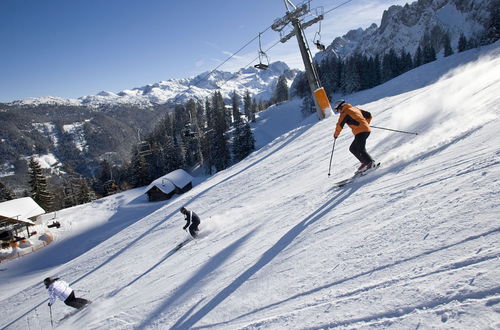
357 119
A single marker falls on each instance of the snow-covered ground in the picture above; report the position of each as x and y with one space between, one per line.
414 245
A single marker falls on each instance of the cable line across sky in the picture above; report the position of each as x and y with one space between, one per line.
252 40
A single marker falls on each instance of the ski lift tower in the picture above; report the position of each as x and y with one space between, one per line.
293 16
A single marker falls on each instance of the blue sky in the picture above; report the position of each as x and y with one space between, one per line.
73 48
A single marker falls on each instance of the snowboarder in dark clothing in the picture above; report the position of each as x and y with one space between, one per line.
192 221
359 122
59 289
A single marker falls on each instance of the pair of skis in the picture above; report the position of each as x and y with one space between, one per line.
355 177
70 314
181 244
187 240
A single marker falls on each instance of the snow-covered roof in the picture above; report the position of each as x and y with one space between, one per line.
20 209
168 183
164 185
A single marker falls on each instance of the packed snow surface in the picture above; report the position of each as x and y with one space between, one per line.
413 245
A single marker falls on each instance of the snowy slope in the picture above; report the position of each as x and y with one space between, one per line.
414 245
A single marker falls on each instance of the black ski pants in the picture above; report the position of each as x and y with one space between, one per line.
75 302
193 229
358 147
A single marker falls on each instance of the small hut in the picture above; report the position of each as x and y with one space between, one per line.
176 182
17 215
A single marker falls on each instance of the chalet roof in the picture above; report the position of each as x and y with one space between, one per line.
20 210
169 182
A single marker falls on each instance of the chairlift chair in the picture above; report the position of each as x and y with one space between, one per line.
188 132
261 66
317 40
144 148
110 187
319 45
262 56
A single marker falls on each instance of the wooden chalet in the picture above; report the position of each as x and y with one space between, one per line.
16 216
163 188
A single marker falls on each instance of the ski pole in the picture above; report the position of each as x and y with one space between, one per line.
394 130
51 321
331 157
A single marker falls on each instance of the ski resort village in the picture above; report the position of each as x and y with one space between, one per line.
358 191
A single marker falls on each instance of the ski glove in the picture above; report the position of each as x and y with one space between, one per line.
49 304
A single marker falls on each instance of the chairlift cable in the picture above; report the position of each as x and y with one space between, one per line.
230 57
252 40
344 3
255 59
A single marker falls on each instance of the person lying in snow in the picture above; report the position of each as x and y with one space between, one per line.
192 221
59 289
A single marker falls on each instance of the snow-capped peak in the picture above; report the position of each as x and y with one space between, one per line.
406 27
259 83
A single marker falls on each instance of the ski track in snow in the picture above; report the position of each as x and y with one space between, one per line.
412 245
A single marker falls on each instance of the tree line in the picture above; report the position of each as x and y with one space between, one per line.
210 134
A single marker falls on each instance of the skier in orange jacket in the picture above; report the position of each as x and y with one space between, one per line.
359 122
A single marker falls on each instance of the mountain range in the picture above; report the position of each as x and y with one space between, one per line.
408 27
260 84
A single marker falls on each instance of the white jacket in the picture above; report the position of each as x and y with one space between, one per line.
59 289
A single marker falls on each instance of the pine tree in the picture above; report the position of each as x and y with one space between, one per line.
85 193
377 73
105 172
206 141
247 105
139 171
219 146
6 193
462 43
350 77
362 67
253 110
171 155
280 91
371 73
248 139
419 58
406 63
235 99
492 33
308 106
429 54
39 187
447 45
263 105
244 142
237 145
391 65
191 136
301 85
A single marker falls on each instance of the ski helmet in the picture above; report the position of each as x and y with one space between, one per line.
183 210
47 282
338 104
